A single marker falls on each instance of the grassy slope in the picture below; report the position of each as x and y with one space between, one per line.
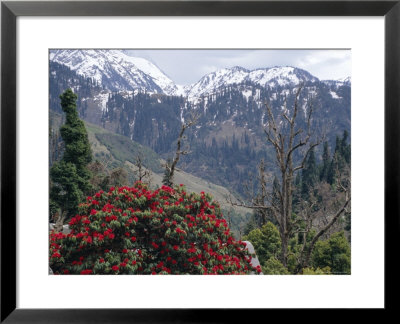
122 150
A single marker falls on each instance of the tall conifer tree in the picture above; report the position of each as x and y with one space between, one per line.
70 177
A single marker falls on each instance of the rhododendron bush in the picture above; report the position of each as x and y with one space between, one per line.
140 231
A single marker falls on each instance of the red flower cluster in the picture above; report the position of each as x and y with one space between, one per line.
126 231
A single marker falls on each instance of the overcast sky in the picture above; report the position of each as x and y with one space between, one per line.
188 66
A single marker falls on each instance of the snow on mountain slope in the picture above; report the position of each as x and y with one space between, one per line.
116 70
346 81
272 77
210 82
339 82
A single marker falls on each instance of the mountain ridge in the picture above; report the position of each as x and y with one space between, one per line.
118 71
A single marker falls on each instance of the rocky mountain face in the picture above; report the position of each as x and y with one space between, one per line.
132 97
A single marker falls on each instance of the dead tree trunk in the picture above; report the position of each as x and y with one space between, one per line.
170 167
285 146
59 225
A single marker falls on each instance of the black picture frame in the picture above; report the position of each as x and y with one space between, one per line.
10 10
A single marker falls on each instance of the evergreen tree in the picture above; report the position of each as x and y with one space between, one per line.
70 177
345 148
325 163
309 174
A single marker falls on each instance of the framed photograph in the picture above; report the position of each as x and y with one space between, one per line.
147 80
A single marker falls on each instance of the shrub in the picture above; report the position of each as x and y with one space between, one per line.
317 271
334 253
266 241
274 267
139 231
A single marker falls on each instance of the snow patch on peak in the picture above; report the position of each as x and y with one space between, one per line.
344 80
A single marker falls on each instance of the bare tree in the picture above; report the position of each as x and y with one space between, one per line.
170 166
288 139
142 174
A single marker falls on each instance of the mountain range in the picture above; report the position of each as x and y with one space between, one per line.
133 97
117 71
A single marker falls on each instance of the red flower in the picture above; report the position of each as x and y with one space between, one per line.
176 247
101 260
133 239
115 268
124 251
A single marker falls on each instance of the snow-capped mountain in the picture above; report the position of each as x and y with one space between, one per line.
339 82
344 81
116 70
266 77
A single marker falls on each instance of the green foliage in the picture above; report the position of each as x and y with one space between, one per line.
325 163
274 267
309 174
266 241
250 225
65 191
317 271
341 158
74 135
334 253
70 176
